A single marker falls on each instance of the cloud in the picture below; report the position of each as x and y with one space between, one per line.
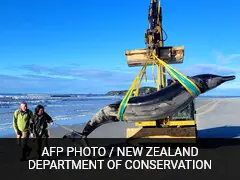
232 85
39 84
224 59
123 76
68 79
222 92
209 69
109 76
96 82
33 68
74 79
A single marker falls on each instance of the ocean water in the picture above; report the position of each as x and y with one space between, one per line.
64 109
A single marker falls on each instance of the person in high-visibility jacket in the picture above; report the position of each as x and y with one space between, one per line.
21 122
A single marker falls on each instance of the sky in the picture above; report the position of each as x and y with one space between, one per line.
72 46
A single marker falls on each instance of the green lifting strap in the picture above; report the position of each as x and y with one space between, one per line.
186 83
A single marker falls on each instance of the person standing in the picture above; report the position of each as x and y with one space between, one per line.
21 122
39 127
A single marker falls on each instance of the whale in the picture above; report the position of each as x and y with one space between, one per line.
158 105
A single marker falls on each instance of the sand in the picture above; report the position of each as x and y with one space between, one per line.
220 118
216 117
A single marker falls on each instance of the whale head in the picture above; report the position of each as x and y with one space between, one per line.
206 82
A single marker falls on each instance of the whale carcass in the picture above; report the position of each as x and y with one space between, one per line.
157 105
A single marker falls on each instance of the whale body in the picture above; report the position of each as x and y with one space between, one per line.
157 105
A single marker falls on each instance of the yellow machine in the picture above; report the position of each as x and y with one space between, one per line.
183 124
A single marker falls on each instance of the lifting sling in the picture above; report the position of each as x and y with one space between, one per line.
173 73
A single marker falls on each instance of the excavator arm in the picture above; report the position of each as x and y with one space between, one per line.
154 42
153 35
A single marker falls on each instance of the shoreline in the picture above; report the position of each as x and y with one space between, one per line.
216 117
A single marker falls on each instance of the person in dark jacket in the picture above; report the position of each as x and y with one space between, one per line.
39 127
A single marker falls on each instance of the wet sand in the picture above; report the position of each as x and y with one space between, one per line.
216 117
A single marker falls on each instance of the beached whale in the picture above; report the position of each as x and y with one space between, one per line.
158 105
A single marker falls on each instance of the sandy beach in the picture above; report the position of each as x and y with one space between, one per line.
216 117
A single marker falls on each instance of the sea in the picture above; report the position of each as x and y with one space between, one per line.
65 109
